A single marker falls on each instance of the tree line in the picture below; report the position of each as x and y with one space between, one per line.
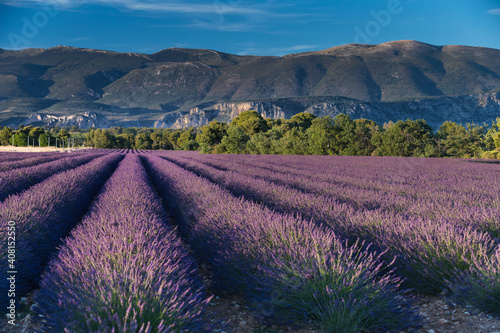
303 134
36 136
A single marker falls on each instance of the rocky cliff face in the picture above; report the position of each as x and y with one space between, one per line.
85 120
176 120
233 110
222 111
461 109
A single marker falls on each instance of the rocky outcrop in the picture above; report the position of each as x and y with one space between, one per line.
266 110
460 109
464 109
222 111
85 120
176 120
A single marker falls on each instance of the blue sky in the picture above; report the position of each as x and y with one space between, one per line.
264 27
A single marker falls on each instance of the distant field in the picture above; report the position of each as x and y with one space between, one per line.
124 239
36 149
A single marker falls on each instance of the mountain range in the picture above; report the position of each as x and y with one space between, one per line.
188 87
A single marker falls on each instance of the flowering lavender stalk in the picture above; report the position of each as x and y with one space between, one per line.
289 267
45 213
123 269
428 251
480 285
15 181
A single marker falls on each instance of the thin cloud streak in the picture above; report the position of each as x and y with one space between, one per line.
149 6
495 11
277 51
231 27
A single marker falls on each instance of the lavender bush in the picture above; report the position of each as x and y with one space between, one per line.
17 156
287 265
15 181
480 285
11 165
428 252
123 269
45 213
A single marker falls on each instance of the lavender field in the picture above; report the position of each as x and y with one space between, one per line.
143 241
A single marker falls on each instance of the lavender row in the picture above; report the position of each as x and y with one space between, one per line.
469 208
16 181
409 178
386 173
11 165
123 268
290 268
480 284
428 253
45 213
446 188
340 192
17 156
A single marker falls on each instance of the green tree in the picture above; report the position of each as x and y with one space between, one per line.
54 132
103 139
294 142
89 138
260 144
63 136
344 135
143 141
234 142
211 135
173 137
453 139
165 141
187 140
475 139
321 135
363 134
302 120
6 136
25 129
496 140
156 138
459 141
250 122
35 133
20 139
492 137
404 138
44 140
124 141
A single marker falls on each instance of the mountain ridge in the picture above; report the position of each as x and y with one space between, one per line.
145 87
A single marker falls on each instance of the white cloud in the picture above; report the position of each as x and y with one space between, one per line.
188 7
277 51
214 25
77 39
495 11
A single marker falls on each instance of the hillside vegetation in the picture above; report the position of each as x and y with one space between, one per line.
125 84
